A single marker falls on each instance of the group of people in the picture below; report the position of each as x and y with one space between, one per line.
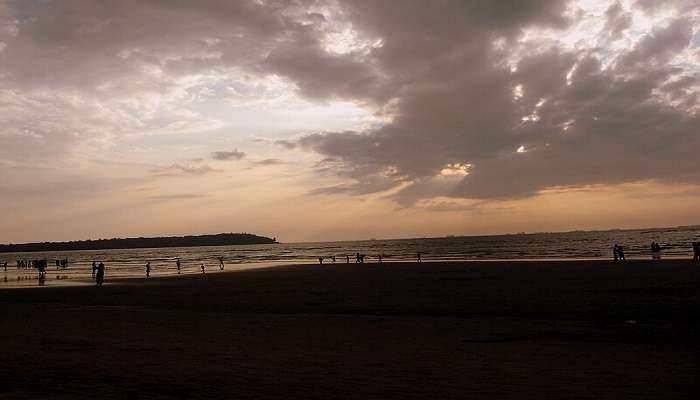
178 265
618 253
35 264
360 258
98 273
26 264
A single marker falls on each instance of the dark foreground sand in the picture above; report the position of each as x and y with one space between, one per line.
521 330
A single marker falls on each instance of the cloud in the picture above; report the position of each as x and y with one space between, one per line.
190 170
463 83
288 144
176 196
583 113
269 162
122 41
618 20
330 190
228 155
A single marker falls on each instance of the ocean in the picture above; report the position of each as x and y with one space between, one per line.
579 245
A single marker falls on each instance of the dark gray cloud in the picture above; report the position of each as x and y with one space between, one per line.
268 162
580 115
576 120
228 155
85 44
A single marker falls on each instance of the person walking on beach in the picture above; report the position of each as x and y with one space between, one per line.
655 251
94 269
221 263
148 269
100 275
616 253
4 265
202 267
333 259
320 260
177 263
347 259
41 267
357 258
621 253
696 253
379 257
418 259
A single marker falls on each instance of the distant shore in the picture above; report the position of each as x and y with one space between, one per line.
558 329
221 239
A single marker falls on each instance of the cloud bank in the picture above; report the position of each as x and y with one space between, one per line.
522 115
480 99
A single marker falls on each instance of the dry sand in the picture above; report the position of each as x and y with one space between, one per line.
540 330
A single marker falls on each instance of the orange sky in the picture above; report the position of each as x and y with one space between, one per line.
346 120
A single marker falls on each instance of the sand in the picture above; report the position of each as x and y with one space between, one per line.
501 330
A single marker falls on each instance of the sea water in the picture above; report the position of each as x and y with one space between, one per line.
124 263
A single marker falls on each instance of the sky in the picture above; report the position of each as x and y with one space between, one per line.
313 120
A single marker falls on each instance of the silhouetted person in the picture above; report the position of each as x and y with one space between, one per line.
418 259
696 252
621 253
178 265
94 269
616 253
100 275
655 251
221 263
333 259
347 259
320 260
357 258
41 267
379 257
202 267
148 269
4 265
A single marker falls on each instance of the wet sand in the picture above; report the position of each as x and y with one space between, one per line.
544 330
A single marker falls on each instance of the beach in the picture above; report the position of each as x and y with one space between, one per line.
508 329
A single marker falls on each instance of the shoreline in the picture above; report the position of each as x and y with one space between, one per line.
28 279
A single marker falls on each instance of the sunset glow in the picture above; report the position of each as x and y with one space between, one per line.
341 120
